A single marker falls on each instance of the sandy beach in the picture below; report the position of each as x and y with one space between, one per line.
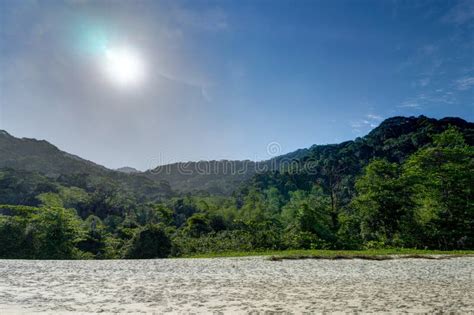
236 285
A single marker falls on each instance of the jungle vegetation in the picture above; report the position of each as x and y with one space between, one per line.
407 184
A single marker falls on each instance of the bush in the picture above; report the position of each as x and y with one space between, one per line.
39 233
151 241
296 239
224 241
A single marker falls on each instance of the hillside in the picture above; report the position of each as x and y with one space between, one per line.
408 183
335 167
127 170
205 177
39 156
394 139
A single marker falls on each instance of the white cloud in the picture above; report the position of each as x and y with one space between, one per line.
424 82
374 117
461 13
465 83
439 96
409 104
363 125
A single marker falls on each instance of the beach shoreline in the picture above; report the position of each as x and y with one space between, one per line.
236 285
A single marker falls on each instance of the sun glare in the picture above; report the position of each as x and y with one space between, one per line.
124 66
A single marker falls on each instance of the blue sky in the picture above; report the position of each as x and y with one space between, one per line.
223 79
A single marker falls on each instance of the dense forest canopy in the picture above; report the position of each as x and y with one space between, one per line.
408 183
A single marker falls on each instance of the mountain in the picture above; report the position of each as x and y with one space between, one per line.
205 177
127 170
405 184
41 156
335 167
44 158
394 139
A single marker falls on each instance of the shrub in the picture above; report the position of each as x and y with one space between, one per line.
151 241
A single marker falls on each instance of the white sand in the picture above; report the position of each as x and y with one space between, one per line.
237 285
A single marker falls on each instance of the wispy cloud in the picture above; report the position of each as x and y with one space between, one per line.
428 60
374 117
424 81
412 103
422 100
465 83
368 122
461 13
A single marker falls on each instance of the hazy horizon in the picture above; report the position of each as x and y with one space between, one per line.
131 83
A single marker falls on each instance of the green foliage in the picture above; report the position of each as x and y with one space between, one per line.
38 232
427 201
383 201
236 240
197 225
294 238
50 199
13 238
406 184
57 230
95 238
309 212
150 241
22 187
443 179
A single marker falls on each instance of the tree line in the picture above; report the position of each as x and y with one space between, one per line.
421 200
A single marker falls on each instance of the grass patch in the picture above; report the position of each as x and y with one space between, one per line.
370 254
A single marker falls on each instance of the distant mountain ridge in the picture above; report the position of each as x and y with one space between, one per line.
127 170
382 141
393 139
42 157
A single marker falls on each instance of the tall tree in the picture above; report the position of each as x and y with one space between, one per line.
443 180
382 204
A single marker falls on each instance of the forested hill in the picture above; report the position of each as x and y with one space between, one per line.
30 156
221 177
408 183
41 156
394 139
336 167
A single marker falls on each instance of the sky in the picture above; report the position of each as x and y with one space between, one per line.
226 79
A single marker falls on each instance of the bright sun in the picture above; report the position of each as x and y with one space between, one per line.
124 66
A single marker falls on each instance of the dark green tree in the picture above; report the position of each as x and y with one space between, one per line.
150 241
197 225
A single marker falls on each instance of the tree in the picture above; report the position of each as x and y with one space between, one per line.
57 231
310 212
38 233
253 208
382 204
150 241
94 240
13 239
197 225
443 179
